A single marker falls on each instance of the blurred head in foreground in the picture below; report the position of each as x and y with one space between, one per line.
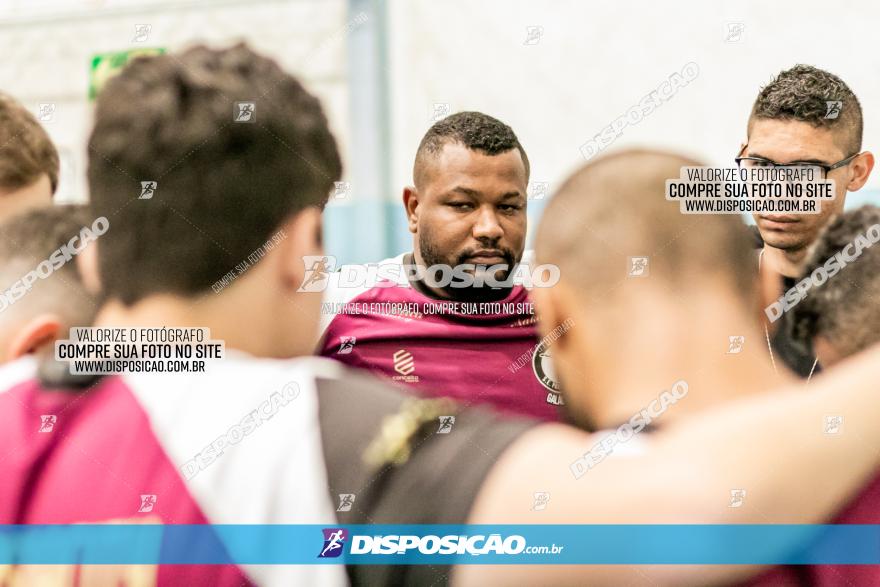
651 295
28 160
840 315
42 293
234 188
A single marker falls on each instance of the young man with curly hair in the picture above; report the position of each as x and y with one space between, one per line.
805 116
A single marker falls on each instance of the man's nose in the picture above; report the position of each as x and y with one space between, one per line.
487 225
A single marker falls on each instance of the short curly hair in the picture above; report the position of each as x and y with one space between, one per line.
802 93
475 130
845 310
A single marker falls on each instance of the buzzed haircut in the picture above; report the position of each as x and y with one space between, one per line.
614 208
224 181
803 93
26 151
474 130
30 238
845 309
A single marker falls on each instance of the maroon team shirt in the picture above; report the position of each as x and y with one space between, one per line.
114 453
71 472
476 353
864 509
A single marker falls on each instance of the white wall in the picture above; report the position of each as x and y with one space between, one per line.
47 46
596 59
593 61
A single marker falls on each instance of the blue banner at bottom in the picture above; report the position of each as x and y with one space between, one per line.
439 544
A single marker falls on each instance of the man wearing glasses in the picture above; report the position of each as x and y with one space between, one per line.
806 116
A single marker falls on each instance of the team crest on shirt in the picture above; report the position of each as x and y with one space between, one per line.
542 366
404 366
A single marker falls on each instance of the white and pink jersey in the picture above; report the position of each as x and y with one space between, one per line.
147 448
472 352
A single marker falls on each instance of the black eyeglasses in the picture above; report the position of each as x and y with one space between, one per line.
753 162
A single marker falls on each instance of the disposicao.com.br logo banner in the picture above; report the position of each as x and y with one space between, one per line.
412 544
151 544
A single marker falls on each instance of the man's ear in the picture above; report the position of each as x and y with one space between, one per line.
87 265
553 308
825 352
299 238
411 204
36 333
861 170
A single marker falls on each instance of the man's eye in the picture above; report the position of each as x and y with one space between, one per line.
509 207
460 205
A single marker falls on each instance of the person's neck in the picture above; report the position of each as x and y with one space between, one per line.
238 329
692 346
787 263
